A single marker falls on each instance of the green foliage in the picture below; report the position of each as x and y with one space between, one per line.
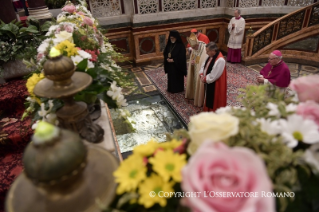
20 42
54 4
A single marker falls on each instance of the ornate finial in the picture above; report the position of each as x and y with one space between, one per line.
45 133
54 52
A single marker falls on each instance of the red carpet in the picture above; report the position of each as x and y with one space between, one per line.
14 133
238 76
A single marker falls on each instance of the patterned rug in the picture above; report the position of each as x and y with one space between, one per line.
14 133
238 76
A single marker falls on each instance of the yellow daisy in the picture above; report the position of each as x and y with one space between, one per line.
31 82
130 173
146 149
171 144
168 164
154 190
68 47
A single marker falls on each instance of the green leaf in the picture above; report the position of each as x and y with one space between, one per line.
45 27
96 88
92 72
82 65
11 28
108 100
87 97
32 29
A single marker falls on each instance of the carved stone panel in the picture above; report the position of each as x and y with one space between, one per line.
177 5
248 3
271 3
299 3
147 6
208 3
122 44
147 45
314 18
213 35
290 24
105 8
262 40
230 3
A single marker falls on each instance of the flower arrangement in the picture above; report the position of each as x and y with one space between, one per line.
258 157
76 35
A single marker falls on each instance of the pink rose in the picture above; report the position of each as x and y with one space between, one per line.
216 169
309 110
80 13
306 88
88 21
40 56
70 8
68 28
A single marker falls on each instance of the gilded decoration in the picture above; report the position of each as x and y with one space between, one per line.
263 39
314 18
291 24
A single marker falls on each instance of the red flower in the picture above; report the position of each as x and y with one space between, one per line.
92 53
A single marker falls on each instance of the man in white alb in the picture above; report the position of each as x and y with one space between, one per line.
236 29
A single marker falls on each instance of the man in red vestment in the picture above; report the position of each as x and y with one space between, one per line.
200 37
276 72
213 74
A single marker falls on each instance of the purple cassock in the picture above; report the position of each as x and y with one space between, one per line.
278 75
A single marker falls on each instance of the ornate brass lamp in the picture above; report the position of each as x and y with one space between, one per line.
62 82
250 32
62 174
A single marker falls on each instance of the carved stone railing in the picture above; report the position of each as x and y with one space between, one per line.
295 26
269 3
106 8
156 6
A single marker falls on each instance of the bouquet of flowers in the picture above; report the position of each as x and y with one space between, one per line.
76 35
258 157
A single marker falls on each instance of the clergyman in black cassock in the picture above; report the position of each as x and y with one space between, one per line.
175 62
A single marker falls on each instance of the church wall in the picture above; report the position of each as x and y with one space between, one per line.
140 28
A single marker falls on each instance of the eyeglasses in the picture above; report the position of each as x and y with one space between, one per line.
272 58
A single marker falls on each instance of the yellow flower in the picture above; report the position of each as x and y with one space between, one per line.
154 184
146 149
168 164
130 173
171 144
68 47
31 82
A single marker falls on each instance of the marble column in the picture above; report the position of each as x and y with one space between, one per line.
38 9
7 13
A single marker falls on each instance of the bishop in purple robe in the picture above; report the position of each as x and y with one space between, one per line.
276 72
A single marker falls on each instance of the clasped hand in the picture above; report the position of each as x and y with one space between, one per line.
170 60
202 78
260 79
